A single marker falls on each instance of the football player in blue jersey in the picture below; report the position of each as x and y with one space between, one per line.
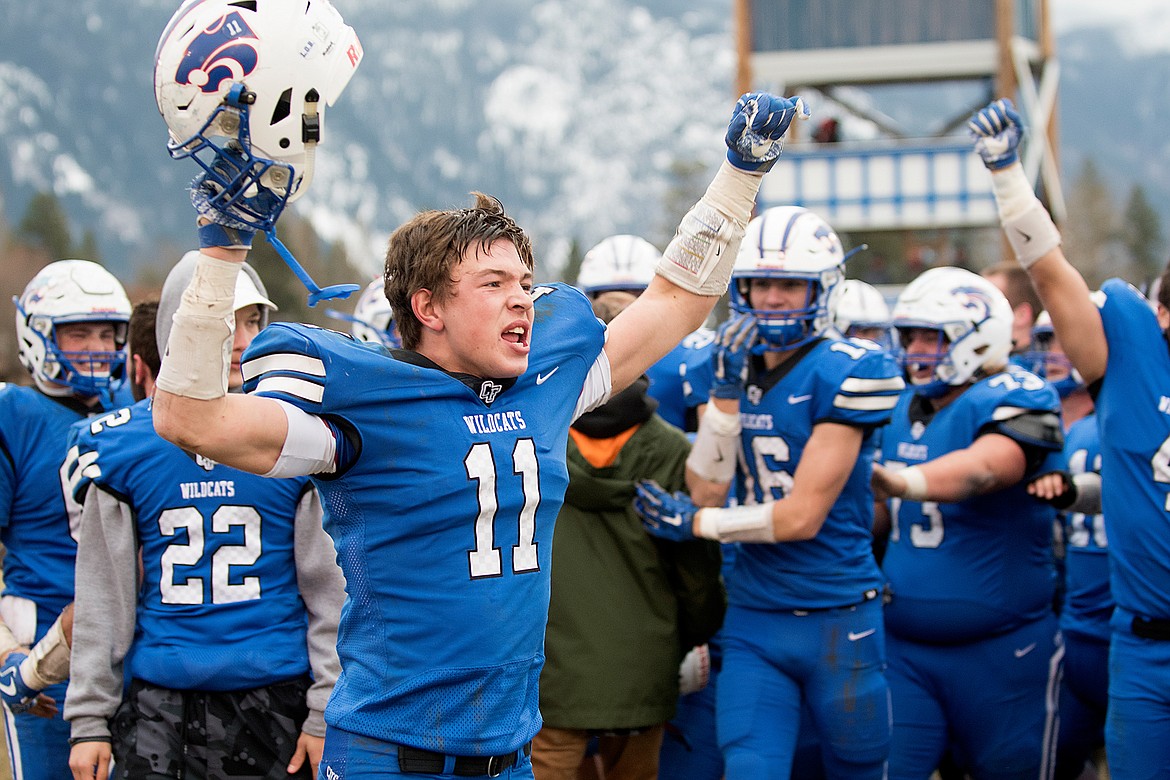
681 379
227 558
969 556
800 404
1086 602
71 324
441 465
1119 346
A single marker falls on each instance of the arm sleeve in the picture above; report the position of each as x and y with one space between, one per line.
104 613
323 591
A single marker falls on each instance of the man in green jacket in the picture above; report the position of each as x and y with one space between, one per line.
625 607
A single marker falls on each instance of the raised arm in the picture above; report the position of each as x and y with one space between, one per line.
696 267
997 130
192 407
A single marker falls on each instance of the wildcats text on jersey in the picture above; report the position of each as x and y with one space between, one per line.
498 422
215 488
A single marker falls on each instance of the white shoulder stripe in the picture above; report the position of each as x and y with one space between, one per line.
298 388
857 385
282 361
866 403
1008 412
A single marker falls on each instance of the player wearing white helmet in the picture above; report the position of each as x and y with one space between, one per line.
969 558
620 262
860 311
71 323
804 625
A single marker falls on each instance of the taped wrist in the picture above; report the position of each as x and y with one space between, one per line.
702 253
736 524
915 484
714 453
8 641
48 661
199 353
1026 223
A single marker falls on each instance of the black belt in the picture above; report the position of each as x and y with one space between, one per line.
415 761
1150 629
869 595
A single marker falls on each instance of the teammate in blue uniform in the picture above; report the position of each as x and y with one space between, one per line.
800 404
681 379
1119 346
969 557
71 330
442 465
200 668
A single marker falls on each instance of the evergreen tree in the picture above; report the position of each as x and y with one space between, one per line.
1091 226
572 267
88 248
1142 234
45 226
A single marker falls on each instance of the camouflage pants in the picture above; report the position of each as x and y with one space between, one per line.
164 734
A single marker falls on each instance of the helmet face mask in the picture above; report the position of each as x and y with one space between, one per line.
66 292
621 262
973 321
1048 363
789 243
254 78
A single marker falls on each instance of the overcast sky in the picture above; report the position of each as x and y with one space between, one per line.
1147 22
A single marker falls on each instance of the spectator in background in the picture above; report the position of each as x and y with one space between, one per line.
625 607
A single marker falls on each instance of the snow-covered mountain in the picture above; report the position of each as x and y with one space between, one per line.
578 114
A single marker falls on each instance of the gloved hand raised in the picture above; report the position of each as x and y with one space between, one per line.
231 202
757 127
997 130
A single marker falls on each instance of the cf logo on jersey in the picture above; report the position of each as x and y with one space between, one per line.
488 392
219 53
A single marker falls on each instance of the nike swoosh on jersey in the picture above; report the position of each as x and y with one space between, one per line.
798 399
7 683
542 378
1023 651
855 635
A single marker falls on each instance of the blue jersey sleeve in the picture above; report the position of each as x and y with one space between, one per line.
867 383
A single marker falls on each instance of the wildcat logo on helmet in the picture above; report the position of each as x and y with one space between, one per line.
974 299
219 54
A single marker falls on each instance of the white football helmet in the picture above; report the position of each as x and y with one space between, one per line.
257 75
1045 363
72 291
973 320
789 242
857 305
372 320
620 262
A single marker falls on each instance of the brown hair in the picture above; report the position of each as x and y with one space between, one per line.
1017 285
142 336
423 252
